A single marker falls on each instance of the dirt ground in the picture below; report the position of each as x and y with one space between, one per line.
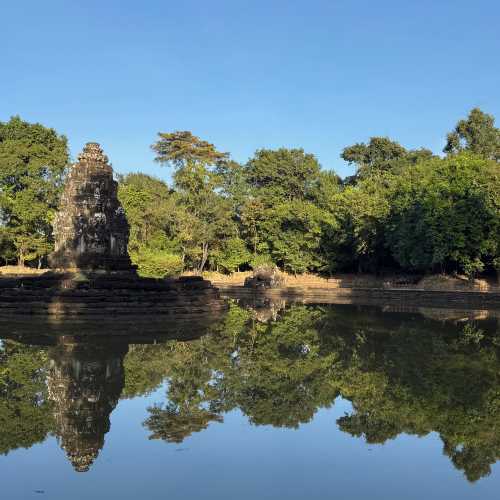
434 282
311 281
20 271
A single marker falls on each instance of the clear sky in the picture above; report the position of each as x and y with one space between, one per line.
248 74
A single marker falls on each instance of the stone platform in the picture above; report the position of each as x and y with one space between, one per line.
93 278
115 296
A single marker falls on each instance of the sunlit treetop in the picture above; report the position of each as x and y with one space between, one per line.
180 148
476 134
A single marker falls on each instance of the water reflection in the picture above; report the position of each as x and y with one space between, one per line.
403 372
85 382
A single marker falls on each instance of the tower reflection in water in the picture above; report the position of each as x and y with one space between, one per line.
85 383
55 381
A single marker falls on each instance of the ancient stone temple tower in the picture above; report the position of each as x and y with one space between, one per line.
91 231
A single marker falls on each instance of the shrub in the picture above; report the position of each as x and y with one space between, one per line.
157 263
261 261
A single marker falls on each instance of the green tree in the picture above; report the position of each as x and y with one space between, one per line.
154 263
33 159
154 216
445 215
476 134
327 186
294 233
284 214
198 185
150 208
379 155
233 255
356 239
252 218
282 174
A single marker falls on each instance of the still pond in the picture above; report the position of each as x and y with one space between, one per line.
274 401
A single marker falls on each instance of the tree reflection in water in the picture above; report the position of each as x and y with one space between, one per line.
415 373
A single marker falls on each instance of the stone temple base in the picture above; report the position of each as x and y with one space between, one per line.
116 295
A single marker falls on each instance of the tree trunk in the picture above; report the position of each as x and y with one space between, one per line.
204 257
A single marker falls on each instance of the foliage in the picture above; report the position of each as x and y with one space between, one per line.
356 238
150 208
25 413
233 255
283 174
260 260
445 215
157 263
477 134
405 209
182 149
381 154
294 235
197 182
33 159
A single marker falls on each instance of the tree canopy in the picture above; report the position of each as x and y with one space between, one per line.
33 160
476 134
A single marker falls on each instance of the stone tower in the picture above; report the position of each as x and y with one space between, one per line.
91 231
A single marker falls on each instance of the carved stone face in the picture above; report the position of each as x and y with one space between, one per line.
99 218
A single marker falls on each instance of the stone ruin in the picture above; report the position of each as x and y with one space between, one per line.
94 276
91 231
266 276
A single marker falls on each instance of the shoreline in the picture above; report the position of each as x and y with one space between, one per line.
401 297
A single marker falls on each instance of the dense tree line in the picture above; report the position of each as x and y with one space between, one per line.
403 210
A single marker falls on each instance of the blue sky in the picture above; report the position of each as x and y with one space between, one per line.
249 74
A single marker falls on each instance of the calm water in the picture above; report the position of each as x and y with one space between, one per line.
271 402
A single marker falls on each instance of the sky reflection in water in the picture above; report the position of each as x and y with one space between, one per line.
273 402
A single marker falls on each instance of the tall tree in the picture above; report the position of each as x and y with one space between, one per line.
445 215
198 184
381 154
282 174
476 134
33 159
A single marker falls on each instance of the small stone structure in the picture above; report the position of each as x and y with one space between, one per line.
91 231
264 277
